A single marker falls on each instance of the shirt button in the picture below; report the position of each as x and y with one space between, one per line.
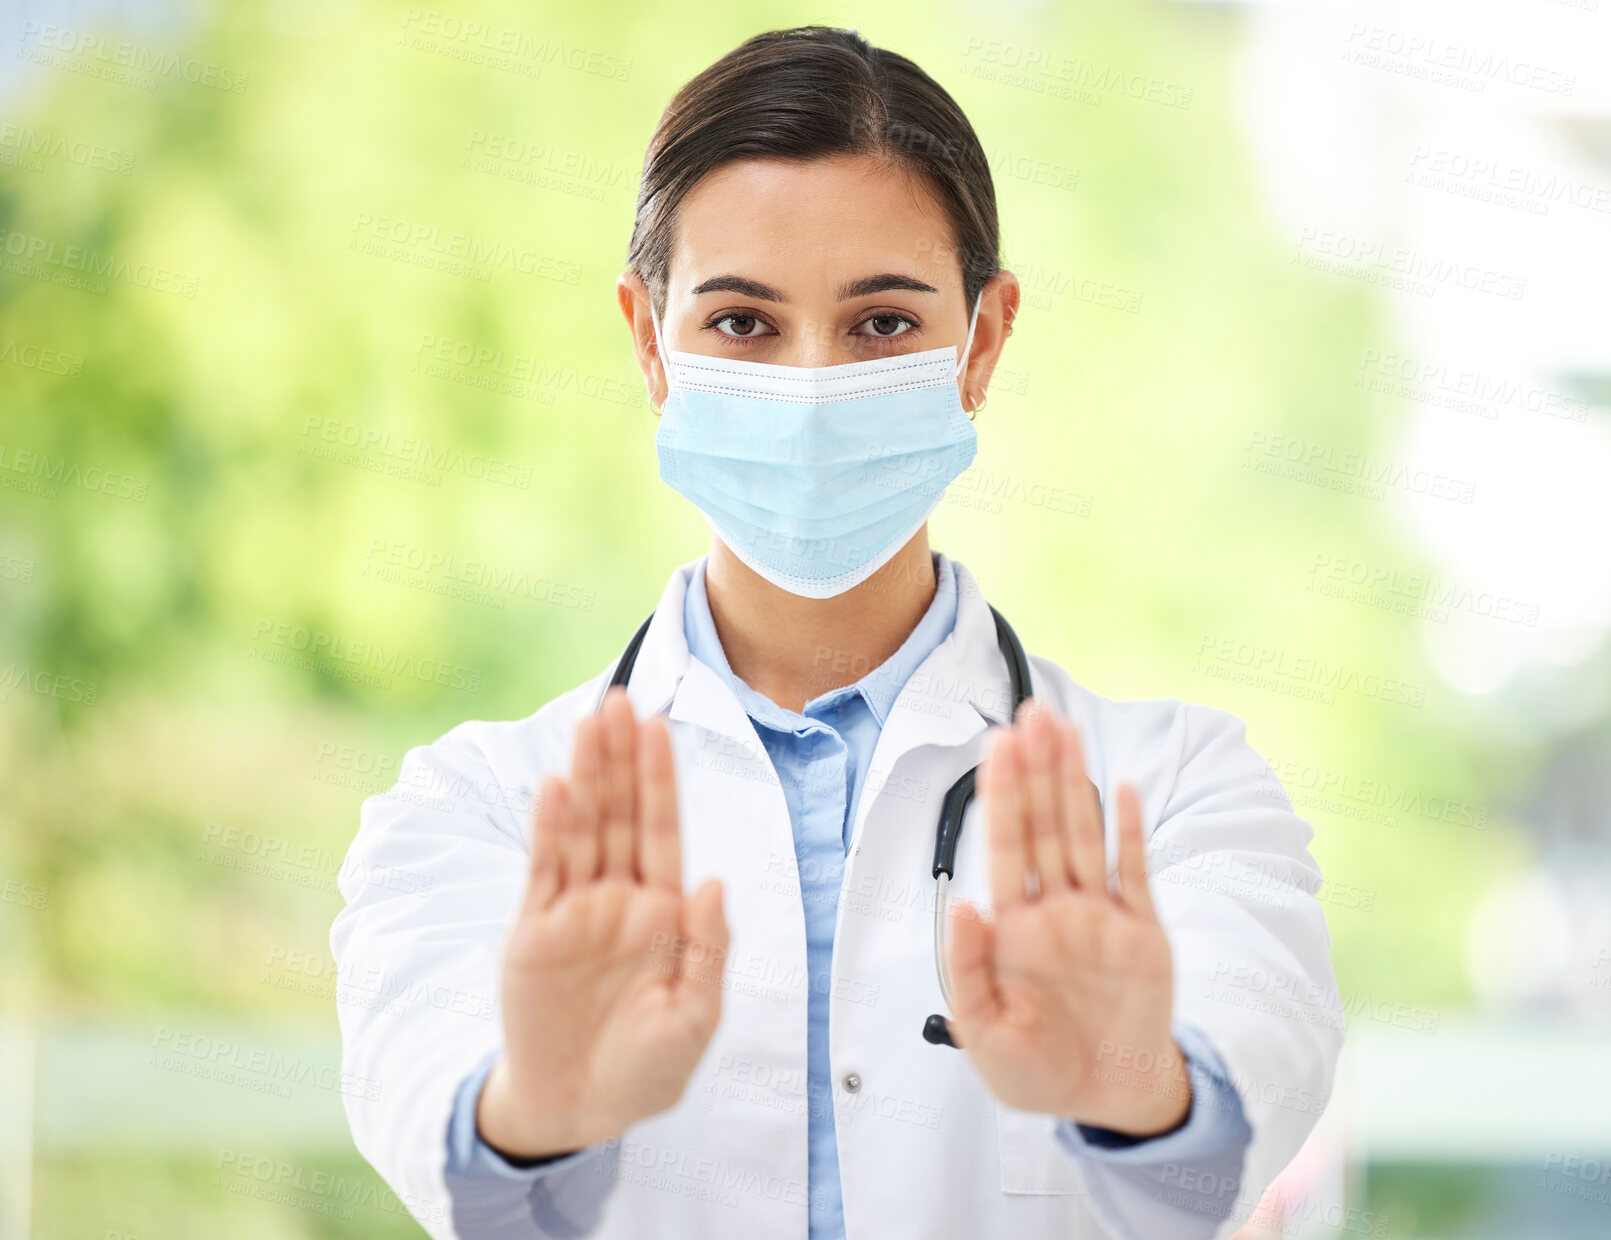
852 1082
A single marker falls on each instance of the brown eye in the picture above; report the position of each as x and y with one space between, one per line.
744 326
887 326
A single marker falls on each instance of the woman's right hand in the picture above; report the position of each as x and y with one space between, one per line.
611 983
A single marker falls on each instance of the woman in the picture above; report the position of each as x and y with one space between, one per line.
704 901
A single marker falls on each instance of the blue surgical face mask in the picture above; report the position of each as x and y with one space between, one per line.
815 476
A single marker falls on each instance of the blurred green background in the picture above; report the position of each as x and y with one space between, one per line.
171 844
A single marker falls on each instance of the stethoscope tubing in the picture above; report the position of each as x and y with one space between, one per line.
948 832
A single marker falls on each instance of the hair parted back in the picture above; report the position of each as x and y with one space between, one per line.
806 93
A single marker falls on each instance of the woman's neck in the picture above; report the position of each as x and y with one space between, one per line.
792 649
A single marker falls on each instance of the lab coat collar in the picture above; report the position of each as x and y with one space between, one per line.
666 672
972 654
958 691
878 689
664 659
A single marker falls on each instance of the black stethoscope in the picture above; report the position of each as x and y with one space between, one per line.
949 832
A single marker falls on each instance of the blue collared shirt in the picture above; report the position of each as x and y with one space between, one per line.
821 756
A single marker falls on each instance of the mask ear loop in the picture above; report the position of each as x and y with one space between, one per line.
659 344
654 319
967 345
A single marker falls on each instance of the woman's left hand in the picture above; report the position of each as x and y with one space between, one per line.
1063 999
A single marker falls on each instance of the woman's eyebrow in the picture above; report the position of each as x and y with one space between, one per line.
883 284
864 287
741 286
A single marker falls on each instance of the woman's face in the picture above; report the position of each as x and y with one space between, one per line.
837 260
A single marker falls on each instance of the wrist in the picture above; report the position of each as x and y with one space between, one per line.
1164 1110
515 1135
1146 1103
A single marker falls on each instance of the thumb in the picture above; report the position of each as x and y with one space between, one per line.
972 961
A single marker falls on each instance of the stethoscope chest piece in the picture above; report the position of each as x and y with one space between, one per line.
948 834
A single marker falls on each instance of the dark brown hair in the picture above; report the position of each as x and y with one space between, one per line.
806 93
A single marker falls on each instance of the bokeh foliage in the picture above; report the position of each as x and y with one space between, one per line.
217 403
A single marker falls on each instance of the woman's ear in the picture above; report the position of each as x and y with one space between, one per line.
633 295
997 311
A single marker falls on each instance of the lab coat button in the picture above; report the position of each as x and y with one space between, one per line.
852 1082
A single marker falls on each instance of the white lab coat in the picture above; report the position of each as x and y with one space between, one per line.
925 1150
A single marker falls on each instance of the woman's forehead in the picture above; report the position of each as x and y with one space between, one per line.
799 225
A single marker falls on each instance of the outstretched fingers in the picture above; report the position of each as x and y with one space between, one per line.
1133 888
1001 775
704 954
550 826
619 788
659 843
1083 823
587 800
971 962
1041 739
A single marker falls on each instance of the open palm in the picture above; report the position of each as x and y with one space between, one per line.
611 977
1063 1000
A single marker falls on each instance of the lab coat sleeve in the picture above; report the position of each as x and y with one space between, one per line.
495 1200
431 882
1129 1179
1236 890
